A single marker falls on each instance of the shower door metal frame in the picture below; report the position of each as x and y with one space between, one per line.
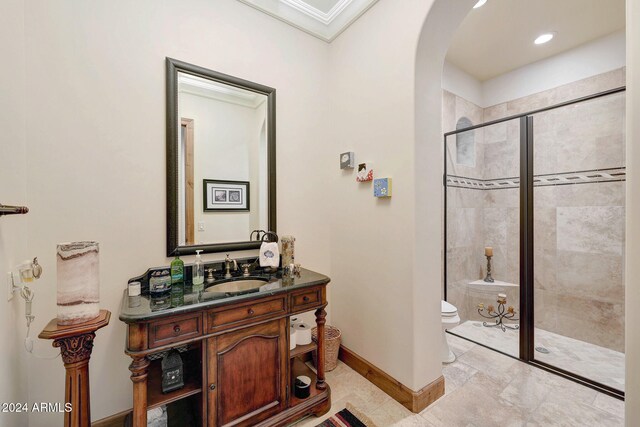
526 187
527 323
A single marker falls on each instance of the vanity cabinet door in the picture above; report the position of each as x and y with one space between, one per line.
247 372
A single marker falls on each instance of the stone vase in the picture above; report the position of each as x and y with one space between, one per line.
78 282
288 250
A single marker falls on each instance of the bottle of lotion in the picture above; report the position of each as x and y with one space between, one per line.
198 273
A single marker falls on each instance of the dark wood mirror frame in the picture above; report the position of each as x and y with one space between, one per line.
174 66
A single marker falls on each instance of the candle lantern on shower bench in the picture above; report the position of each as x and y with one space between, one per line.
488 252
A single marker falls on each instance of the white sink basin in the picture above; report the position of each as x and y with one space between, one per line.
236 287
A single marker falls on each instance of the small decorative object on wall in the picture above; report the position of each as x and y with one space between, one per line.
347 160
78 282
499 316
365 172
230 196
382 187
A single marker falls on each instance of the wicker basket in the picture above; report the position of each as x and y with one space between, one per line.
332 346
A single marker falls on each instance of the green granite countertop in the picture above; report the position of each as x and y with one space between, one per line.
146 307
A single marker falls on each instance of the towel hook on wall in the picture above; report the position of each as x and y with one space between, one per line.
12 210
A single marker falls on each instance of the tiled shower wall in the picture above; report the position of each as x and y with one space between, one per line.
579 229
465 216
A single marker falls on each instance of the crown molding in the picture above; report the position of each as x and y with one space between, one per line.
207 89
323 25
326 18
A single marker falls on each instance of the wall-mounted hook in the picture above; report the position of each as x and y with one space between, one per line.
37 268
12 210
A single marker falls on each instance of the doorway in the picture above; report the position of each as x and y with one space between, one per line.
186 139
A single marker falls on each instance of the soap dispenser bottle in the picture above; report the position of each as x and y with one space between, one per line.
177 270
177 282
198 273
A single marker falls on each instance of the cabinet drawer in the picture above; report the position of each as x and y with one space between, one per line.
259 310
305 299
174 329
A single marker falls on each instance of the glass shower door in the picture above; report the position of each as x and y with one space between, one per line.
482 217
578 214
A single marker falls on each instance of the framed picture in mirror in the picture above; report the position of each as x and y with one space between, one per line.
231 196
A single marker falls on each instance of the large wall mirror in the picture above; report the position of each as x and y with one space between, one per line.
220 160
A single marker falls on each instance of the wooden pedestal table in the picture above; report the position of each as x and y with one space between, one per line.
76 343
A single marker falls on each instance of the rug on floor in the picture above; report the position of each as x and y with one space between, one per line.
348 417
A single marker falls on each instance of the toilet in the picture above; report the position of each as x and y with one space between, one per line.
450 319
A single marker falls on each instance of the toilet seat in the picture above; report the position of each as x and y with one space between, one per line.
449 319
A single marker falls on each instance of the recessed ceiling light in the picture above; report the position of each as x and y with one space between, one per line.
544 38
480 4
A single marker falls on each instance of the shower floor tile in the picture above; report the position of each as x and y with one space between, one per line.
587 360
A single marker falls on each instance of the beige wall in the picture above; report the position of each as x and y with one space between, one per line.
384 318
386 255
13 229
96 146
434 40
632 273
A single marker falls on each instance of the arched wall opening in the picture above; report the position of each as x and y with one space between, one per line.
438 30
441 23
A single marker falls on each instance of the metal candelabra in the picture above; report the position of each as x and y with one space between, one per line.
499 316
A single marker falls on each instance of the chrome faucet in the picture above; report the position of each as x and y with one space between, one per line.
228 262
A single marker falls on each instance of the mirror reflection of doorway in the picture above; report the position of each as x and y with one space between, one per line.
186 133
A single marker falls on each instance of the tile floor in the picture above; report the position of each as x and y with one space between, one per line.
483 388
588 360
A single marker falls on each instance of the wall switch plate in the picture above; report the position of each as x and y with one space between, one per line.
9 286
200 225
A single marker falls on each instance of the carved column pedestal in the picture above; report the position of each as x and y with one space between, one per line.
76 343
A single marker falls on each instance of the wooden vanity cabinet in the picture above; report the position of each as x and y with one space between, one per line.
247 374
238 369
